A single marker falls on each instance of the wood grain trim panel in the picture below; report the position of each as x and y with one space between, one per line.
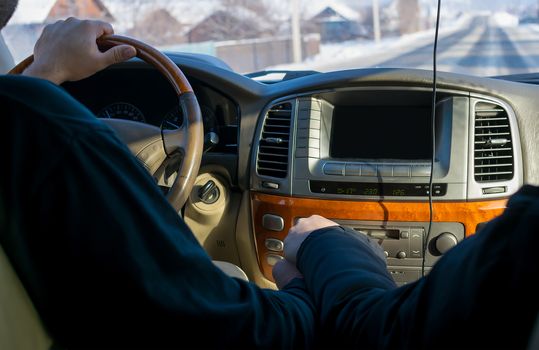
289 208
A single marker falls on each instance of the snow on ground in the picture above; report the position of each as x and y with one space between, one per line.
345 51
504 19
534 27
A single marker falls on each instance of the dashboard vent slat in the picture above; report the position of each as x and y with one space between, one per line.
494 158
273 148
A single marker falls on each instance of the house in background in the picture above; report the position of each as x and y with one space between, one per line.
228 25
158 28
337 22
246 37
90 9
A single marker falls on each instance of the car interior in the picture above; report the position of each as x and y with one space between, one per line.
272 152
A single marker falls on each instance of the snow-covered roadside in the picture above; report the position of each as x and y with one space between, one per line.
393 46
533 27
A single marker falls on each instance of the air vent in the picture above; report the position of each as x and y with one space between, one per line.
275 141
494 160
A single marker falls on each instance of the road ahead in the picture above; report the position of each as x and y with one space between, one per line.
478 48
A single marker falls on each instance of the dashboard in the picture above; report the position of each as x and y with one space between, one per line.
147 97
364 149
354 146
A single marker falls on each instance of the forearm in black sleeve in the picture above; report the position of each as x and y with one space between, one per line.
481 294
154 280
347 279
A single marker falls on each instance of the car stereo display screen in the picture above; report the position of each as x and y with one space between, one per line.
394 132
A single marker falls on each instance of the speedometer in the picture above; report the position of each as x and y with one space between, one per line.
122 110
174 119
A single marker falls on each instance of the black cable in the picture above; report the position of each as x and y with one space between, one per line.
433 117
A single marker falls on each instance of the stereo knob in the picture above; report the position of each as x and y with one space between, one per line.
401 255
445 241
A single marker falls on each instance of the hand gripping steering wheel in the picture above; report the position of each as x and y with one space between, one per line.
153 147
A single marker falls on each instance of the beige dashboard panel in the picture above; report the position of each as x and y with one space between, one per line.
247 245
214 224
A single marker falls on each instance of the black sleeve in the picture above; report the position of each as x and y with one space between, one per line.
109 263
481 294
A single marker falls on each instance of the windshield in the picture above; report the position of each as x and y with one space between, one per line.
484 38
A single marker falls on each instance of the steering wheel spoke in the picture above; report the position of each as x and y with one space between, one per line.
176 140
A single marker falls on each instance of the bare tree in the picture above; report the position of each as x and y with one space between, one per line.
260 7
269 14
152 21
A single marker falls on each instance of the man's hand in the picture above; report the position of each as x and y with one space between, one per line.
299 232
284 272
67 51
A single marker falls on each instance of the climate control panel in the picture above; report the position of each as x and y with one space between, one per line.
403 244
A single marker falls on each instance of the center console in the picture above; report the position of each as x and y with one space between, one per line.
372 147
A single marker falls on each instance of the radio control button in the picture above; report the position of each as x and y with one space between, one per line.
305 104
310 105
315 115
307 142
309 124
385 170
307 114
302 142
314 133
405 234
445 241
401 255
415 254
307 153
316 105
353 170
272 222
416 243
304 114
302 133
401 171
273 259
420 170
270 185
368 170
495 190
274 244
334 169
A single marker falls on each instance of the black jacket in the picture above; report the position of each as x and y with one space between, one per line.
482 294
104 257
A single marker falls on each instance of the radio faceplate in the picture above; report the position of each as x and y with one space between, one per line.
311 159
317 173
377 189
403 244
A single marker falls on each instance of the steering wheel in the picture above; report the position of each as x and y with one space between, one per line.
160 149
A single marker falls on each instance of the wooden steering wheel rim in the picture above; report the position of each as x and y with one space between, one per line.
193 130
